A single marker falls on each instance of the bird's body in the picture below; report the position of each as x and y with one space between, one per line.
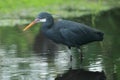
70 33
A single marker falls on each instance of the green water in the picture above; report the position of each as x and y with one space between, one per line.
18 60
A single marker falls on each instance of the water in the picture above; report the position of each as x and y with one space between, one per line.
23 58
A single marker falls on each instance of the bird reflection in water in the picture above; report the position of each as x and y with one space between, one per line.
44 46
81 74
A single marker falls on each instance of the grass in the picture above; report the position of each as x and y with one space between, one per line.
22 9
66 8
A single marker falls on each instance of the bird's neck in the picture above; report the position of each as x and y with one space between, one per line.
47 25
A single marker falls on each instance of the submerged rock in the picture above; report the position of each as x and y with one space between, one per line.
81 74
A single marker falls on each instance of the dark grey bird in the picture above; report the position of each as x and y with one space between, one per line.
69 33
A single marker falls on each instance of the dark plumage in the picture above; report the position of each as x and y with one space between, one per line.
67 32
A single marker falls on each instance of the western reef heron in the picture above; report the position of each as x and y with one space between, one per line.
69 33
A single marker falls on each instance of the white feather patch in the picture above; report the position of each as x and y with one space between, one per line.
43 20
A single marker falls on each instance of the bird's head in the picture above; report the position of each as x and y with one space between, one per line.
42 17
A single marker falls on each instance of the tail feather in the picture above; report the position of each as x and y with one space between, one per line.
100 36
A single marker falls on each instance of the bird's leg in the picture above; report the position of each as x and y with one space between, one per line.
81 55
69 51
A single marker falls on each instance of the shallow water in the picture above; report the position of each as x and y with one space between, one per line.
43 66
25 57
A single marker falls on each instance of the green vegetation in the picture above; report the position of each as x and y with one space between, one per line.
18 8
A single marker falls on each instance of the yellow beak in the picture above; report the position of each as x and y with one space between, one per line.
30 25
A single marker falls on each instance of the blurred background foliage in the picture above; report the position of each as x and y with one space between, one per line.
21 8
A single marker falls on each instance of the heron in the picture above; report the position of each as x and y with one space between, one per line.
66 32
